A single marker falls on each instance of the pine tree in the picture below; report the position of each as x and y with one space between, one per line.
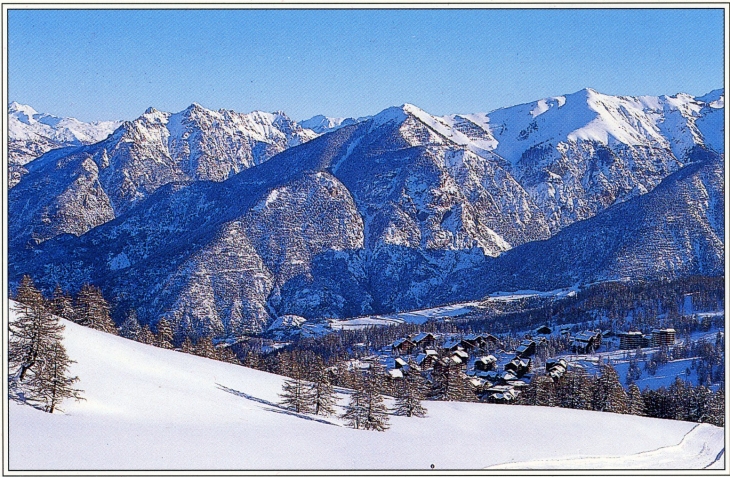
92 310
164 336
409 394
449 383
187 346
36 352
51 385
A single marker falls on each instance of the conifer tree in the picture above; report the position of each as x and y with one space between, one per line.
204 347
635 402
33 332
62 304
322 391
50 385
130 328
145 335
449 383
409 394
164 334
608 393
296 392
366 409
92 310
187 346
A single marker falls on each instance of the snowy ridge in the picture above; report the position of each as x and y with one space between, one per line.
223 225
196 413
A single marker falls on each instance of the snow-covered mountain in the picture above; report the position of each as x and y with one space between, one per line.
324 124
80 188
146 408
399 211
31 134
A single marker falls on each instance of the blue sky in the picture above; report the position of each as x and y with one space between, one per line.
113 64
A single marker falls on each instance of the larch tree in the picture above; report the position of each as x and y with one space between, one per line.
635 403
33 332
367 409
410 391
322 391
296 393
164 334
130 328
92 310
50 385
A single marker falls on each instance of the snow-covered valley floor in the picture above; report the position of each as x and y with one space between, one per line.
146 409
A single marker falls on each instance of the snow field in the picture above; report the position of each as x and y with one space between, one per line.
147 409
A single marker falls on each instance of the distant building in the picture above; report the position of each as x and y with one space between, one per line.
485 363
663 337
518 366
543 330
403 346
424 340
525 349
586 341
630 340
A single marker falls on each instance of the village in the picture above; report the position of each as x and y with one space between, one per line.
498 373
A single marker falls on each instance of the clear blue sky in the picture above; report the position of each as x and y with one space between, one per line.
113 64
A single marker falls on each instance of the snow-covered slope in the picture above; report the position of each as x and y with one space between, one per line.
147 409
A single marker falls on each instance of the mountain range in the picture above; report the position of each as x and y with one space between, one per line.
222 221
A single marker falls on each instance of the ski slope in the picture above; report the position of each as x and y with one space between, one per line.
147 408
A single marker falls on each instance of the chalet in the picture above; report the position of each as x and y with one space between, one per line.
462 355
477 341
518 366
403 346
586 341
486 363
525 349
424 340
426 360
556 368
490 338
503 393
543 330
663 337
479 384
630 340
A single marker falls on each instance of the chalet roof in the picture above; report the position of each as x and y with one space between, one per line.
432 352
456 360
400 341
452 343
487 359
461 354
472 337
395 373
586 335
421 336
401 362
